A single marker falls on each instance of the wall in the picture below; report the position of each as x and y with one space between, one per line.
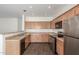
8 25
21 23
70 13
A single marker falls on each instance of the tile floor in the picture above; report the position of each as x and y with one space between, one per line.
38 49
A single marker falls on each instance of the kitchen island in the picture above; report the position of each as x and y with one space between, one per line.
16 43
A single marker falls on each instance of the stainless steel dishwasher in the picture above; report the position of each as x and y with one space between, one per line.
52 43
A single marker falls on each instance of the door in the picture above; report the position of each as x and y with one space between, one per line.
71 26
71 46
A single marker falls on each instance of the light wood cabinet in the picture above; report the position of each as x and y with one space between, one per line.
37 25
77 10
52 25
39 37
65 16
12 47
60 46
16 46
27 41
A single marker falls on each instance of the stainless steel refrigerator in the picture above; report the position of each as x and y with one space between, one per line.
71 36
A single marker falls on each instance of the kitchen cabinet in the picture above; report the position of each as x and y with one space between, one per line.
22 46
39 37
69 14
12 47
52 25
60 46
27 41
37 25
76 10
16 45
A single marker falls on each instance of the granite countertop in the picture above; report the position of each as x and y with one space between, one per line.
53 34
12 34
16 36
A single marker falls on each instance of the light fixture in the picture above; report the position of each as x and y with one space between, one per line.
30 7
49 6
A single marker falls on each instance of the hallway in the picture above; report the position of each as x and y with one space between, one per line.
38 49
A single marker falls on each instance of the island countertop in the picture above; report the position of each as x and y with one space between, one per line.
15 36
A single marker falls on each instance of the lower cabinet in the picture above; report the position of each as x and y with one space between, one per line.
39 37
27 41
22 46
15 46
12 47
60 46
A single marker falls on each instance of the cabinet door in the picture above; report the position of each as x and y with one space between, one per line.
39 37
60 47
12 47
22 45
27 41
77 10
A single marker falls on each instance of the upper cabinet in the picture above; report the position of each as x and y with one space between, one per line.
37 25
76 10
65 16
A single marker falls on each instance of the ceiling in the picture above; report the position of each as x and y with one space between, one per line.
33 10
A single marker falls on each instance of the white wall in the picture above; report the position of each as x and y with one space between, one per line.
8 25
21 23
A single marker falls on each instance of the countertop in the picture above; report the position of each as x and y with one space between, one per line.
43 30
60 38
12 34
16 36
55 36
20 35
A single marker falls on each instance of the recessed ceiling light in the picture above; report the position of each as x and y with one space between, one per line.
30 7
49 6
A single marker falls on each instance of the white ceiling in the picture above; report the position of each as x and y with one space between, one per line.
37 10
